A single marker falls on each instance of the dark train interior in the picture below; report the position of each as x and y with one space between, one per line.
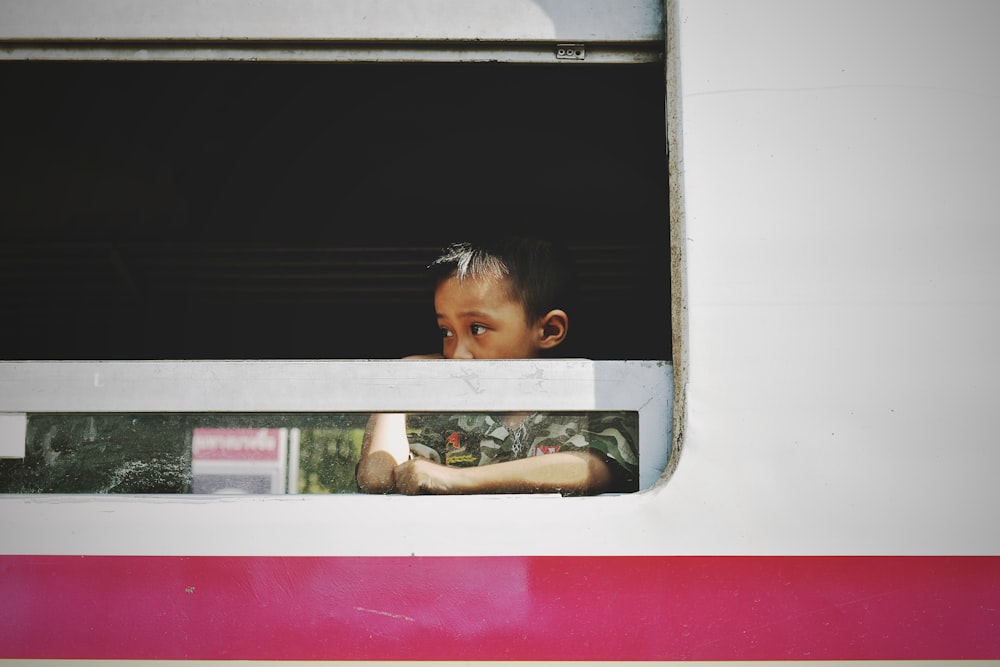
287 210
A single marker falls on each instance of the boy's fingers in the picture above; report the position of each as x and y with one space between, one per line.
407 481
419 476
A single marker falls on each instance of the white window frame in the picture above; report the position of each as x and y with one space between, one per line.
595 31
569 32
94 387
340 524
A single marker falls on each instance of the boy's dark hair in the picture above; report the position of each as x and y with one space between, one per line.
541 273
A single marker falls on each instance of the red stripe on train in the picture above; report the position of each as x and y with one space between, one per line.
500 608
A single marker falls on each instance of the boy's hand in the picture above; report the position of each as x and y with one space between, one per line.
568 473
437 355
422 476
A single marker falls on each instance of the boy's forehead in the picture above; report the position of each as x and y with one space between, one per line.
475 289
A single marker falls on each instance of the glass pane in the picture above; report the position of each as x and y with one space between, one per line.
261 453
186 453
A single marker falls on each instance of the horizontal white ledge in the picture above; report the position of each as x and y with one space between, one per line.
312 525
325 386
467 20
334 52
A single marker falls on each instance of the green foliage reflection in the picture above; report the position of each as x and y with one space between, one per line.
151 453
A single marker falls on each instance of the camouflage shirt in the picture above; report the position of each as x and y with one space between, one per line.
461 440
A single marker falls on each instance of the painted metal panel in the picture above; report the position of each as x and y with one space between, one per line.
500 608
829 270
839 195
840 169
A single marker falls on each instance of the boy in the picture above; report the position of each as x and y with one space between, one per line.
503 300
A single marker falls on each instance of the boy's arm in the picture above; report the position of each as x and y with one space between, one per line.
571 473
383 448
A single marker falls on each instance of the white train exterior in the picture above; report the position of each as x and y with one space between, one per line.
831 492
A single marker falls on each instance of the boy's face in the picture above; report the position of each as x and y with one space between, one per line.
479 320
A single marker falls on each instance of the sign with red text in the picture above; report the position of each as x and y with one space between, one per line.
236 444
239 460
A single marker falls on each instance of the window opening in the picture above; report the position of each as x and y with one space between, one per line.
215 210
223 453
251 210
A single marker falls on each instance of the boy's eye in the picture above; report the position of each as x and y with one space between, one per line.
477 329
445 333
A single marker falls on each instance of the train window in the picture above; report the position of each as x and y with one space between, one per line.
278 197
242 453
267 427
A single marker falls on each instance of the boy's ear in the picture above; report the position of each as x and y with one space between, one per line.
554 326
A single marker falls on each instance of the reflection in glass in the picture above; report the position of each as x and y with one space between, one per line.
156 453
221 453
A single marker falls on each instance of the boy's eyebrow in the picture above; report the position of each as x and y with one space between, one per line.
468 313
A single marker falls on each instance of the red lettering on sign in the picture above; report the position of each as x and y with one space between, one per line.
235 444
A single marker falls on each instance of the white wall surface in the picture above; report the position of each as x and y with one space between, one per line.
841 167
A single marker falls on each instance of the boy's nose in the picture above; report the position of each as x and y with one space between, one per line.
462 351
